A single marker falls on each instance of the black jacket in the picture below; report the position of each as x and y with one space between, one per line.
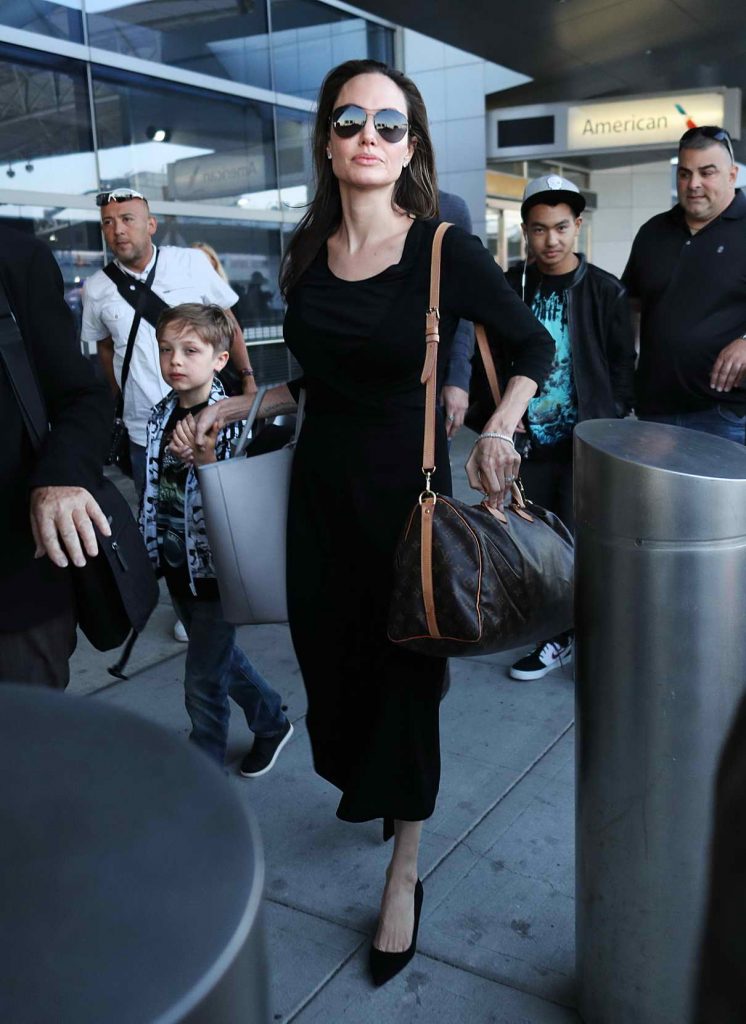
601 335
80 415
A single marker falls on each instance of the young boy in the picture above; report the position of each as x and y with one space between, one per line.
193 342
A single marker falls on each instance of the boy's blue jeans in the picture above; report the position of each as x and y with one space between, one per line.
216 669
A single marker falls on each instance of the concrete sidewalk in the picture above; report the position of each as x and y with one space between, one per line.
497 934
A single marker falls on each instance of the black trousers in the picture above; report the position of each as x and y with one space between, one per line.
548 482
40 654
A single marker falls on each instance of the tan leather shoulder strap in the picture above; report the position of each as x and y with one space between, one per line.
432 338
489 365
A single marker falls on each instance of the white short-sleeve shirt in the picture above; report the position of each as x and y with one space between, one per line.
182 275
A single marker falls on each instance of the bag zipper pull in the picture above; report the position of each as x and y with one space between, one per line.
120 556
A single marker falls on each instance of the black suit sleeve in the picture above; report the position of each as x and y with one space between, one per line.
458 372
79 406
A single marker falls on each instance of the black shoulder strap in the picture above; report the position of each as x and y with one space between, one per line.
139 295
15 359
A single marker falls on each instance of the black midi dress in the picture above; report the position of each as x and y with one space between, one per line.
372 706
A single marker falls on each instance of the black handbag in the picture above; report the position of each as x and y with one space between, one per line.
472 580
116 591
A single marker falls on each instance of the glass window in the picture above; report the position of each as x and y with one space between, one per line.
224 38
250 256
61 21
503 229
294 129
179 143
309 38
46 144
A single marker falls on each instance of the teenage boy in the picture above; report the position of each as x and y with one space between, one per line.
586 311
193 343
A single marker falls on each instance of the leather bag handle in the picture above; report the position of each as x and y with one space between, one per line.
432 339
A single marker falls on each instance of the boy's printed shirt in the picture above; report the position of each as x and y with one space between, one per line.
172 520
172 478
552 415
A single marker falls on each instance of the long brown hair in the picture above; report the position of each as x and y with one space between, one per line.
416 191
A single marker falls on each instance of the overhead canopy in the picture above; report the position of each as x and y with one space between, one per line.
583 49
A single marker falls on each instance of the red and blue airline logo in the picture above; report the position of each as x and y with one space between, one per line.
689 122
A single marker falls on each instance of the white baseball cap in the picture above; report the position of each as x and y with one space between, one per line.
552 188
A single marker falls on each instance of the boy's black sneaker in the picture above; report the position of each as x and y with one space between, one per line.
263 754
544 659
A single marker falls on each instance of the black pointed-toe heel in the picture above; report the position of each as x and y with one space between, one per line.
384 966
388 829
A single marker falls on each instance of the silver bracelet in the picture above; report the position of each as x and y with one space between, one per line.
500 437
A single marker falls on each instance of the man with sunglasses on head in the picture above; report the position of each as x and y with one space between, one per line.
687 273
175 275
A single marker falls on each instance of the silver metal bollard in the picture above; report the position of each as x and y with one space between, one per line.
660 664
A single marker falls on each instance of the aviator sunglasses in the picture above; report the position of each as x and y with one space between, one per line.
710 131
347 121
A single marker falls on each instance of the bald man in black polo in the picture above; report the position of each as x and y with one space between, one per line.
687 271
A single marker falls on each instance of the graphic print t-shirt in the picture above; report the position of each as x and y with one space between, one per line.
553 414
170 524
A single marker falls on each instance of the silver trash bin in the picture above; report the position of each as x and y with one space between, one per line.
660 665
131 872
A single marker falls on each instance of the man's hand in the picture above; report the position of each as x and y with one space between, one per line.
455 402
729 369
62 517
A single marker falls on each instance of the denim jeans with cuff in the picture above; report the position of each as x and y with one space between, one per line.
217 669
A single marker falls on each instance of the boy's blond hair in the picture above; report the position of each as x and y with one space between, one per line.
208 321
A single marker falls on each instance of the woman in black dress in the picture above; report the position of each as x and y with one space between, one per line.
356 278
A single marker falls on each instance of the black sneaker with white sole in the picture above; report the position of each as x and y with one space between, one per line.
545 658
263 754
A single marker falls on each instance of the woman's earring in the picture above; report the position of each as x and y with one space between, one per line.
328 154
404 164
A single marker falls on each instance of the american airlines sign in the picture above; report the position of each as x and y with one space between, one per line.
608 126
641 122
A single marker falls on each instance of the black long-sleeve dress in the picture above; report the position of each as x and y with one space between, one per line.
373 707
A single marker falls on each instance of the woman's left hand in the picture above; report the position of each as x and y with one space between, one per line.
455 402
492 467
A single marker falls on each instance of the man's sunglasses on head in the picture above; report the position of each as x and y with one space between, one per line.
709 131
118 195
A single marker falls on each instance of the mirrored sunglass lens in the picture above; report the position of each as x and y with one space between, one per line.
391 125
347 121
